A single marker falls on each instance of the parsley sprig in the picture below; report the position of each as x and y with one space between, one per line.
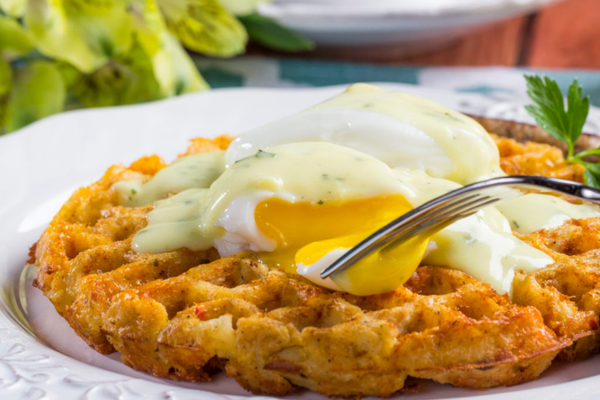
563 124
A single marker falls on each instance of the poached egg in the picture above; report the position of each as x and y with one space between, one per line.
402 130
303 190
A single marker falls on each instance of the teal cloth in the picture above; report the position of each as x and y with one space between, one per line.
298 72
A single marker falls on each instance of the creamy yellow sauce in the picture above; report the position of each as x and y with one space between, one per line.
263 203
226 214
315 173
532 212
402 130
481 245
291 202
173 224
196 171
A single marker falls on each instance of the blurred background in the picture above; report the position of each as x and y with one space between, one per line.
58 55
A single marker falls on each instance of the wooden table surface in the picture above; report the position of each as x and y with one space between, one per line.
564 35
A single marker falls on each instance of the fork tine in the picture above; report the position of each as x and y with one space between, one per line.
433 225
408 225
453 206
442 223
417 216
432 219
478 207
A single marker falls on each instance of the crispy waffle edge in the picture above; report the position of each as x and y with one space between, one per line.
187 315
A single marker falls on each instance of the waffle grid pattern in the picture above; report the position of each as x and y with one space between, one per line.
187 315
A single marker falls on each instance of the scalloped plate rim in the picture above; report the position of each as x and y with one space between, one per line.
77 376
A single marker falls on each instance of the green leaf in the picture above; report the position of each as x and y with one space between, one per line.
563 124
173 67
13 8
37 92
591 175
268 33
68 73
595 168
591 179
578 108
3 112
204 26
241 7
586 153
5 85
84 33
148 24
5 77
549 109
127 79
14 40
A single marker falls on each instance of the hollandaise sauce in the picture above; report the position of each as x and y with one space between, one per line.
299 205
196 171
310 175
402 130
302 191
532 212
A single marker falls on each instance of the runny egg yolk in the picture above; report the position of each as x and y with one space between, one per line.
305 232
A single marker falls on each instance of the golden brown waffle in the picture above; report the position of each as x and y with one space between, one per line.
272 331
181 316
567 293
535 159
85 256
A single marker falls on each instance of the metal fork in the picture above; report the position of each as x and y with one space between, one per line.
442 211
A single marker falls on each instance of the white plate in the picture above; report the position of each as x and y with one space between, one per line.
40 357
384 22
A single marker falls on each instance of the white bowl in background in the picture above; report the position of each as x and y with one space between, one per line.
352 23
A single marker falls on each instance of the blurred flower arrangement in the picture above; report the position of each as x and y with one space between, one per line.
62 54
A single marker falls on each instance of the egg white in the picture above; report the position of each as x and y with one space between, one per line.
241 231
362 144
394 142
402 130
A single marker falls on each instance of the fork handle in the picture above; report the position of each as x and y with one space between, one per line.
570 188
391 233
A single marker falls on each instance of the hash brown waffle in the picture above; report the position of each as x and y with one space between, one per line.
186 315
